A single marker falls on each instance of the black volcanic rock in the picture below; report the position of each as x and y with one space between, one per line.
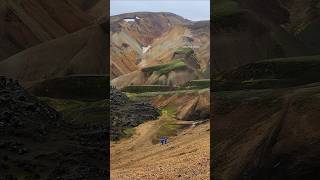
19 110
117 98
127 114
37 143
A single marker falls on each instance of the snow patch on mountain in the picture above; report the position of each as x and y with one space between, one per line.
145 49
131 19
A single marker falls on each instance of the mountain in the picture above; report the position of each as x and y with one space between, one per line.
94 8
140 28
264 91
183 67
26 23
35 33
82 52
144 39
162 60
304 22
249 31
266 133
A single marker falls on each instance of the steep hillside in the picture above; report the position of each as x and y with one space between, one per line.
265 93
305 21
26 23
160 59
135 45
124 53
266 134
183 67
185 157
128 39
94 8
140 25
38 143
247 31
195 36
80 87
62 50
272 73
192 105
127 114
98 9
82 52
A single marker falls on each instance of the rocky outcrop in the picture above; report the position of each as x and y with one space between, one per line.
21 109
117 97
127 114
33 134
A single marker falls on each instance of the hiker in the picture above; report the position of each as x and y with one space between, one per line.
161 140
165 140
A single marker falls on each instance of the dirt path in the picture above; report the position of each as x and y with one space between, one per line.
186 156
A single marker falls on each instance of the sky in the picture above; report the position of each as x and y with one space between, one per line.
190 9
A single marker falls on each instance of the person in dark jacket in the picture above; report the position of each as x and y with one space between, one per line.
165 140
161 140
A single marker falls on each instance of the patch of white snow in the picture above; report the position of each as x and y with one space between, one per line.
145 49
129 20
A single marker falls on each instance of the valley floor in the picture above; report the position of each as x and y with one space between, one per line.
186 156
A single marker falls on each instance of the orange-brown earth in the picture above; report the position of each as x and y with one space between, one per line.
139 77
153 39
186 156
188 105
43 39
193 67
82 52
134 45
266 134
270 133
27 23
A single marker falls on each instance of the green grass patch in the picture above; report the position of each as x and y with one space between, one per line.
62 104
169 111
201 83
206 72
166 68
225 8
127 133
147 88
154 90
80 112
226 101
73 87
170 93
262 83
300 59
187 51
271 73
168 126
